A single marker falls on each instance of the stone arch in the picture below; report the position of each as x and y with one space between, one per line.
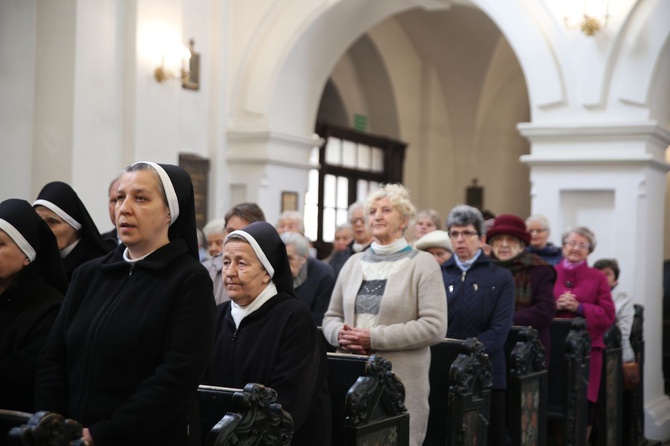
294 70
640 76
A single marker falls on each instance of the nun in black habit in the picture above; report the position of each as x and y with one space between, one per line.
266 335
32 284
133 339
78 238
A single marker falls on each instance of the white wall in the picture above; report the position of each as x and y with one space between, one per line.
17 64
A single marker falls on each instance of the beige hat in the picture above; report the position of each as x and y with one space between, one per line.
434 239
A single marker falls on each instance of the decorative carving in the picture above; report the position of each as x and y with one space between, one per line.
527 356
472 371
257 420
378 385
636 332
612 337
577 354
47 428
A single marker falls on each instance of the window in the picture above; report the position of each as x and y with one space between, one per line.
351 164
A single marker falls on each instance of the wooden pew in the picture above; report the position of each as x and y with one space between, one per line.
569 378
367 401
460 382
41 428
633 400
526 387
607 426
375 407
243 416
343 372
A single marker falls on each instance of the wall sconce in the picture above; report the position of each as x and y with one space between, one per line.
191 81
589 15
175 56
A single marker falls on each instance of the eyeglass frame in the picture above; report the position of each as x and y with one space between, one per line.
462 234
580 245
510 239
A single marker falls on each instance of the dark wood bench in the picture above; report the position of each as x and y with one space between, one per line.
607 427
41 428
243 416
569 378
343 372
375 407
526 387
633 400
460 382
367 401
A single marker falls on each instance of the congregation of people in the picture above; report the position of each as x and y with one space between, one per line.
117 330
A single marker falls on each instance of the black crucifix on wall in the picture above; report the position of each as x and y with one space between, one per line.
474 195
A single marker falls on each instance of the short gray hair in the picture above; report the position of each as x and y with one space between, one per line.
216 226
295 216
432 215
344 227
354 207
537 218
584 232
299 242
463 215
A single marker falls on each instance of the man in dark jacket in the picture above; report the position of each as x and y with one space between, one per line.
480 301
362 237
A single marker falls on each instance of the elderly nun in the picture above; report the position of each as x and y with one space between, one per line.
266 335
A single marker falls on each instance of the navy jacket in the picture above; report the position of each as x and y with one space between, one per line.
480 303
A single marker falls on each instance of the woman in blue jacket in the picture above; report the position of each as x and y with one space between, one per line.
480 298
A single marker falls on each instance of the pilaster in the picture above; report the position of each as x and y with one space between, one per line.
611 177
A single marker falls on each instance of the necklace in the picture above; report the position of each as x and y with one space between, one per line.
372 289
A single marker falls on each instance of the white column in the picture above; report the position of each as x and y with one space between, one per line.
17 68
264 164
611 177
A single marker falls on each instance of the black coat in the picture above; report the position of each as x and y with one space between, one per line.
28 309
278 346
130 347
315 291
82 253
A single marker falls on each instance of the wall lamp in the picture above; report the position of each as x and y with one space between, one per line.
174 63
589 15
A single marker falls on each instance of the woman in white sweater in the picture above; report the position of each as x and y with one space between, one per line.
391 300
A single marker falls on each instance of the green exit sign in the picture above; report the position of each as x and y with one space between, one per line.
360 122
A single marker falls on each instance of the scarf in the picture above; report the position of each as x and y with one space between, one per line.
520 266
395 246
464 266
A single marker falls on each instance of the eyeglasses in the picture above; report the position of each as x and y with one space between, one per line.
504 239
537 231
581 246
353 221
464 234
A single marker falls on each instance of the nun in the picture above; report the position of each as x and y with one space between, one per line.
266 335
133 339
78 238
32 284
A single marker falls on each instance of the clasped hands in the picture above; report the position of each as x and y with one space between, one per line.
567 302
355 340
